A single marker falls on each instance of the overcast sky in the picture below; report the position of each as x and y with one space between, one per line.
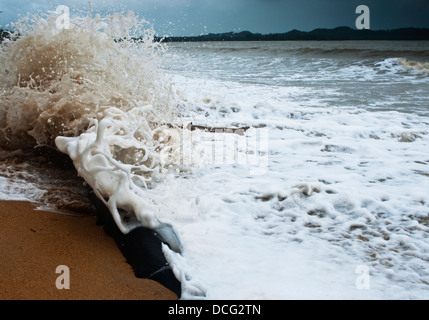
194 17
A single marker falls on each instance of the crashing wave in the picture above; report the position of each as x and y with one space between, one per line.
96 92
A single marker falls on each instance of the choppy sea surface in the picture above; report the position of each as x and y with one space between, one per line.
324 196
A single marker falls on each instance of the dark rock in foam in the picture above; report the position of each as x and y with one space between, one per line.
142 248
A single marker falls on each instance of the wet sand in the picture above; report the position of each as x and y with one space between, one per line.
34 243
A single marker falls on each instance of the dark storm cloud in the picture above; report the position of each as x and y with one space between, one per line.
193 17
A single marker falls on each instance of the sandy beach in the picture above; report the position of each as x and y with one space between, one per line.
34 243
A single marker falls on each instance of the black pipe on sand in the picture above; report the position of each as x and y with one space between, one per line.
141 247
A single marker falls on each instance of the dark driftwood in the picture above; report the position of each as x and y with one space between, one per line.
240 131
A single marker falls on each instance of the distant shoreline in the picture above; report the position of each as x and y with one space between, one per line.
335 34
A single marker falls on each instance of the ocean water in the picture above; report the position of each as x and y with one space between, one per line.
323 196
344 144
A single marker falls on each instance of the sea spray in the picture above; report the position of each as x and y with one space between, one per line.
55 82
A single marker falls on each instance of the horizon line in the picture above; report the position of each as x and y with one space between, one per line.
291 30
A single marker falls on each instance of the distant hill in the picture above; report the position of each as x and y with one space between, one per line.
340 33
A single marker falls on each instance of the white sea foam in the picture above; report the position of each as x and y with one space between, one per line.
344 188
